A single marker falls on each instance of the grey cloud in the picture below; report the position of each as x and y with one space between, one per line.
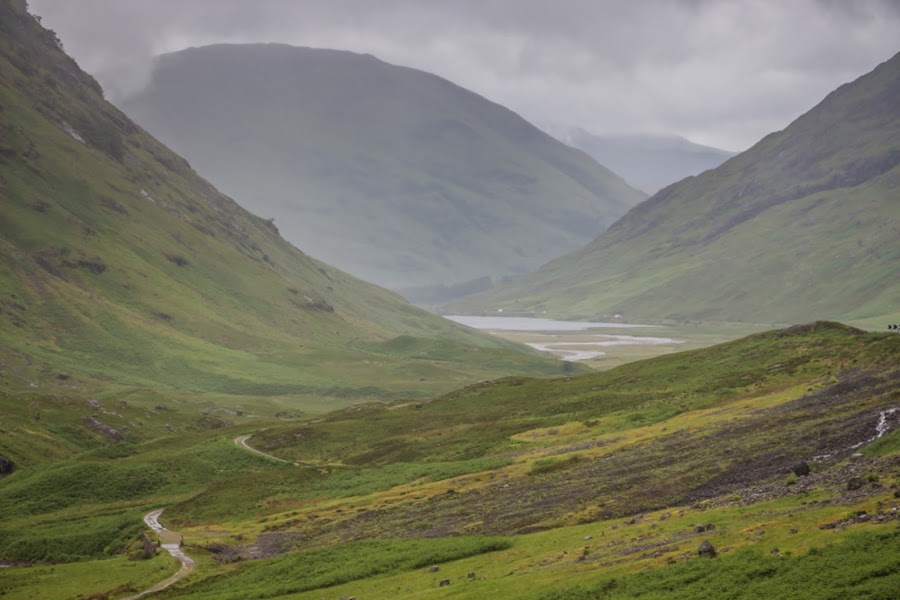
719 72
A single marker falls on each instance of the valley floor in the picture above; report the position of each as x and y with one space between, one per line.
781 450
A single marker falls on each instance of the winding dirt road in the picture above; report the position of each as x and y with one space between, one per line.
241 441
171 543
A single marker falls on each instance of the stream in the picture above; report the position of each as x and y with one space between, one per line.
882 427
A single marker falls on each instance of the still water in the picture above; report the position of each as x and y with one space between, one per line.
532 324
582 349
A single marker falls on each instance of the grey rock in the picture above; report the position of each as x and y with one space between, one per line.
854 483
706 550
103 428
801 469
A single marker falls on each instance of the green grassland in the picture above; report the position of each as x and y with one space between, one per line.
801 226
574 487
121 269
142 333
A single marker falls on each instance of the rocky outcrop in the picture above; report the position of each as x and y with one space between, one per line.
706 550
855 483
801 469
104 429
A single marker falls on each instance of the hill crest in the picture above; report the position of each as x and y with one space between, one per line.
392 174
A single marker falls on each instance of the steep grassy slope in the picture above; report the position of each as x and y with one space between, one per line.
120 266
648 162
803 225
820 386
577 482
633 458
395 175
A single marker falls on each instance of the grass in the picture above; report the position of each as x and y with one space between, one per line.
797 228
652 557
59 485
863 566
108 578
322 569
644 393
110 409
530 467
122 269
889 444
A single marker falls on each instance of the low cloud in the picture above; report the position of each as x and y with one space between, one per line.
717 72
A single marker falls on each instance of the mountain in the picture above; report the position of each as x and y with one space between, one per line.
121 268
648 162
802 225
395 175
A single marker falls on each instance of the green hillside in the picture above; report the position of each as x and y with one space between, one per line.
395 175
604 483
803 225
121 268
162 349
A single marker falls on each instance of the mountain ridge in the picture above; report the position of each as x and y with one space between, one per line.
391 173
647 161
120 267
802 225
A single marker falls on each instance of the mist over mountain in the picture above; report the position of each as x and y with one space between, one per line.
802 225
143 274
390 173
648 162
191 407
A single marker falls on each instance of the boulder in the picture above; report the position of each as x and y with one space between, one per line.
706 550
6 466
801 469
434 569
444 583
854 483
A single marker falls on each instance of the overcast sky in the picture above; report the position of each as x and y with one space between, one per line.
723 73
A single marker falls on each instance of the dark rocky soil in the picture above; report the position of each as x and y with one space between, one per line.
750 458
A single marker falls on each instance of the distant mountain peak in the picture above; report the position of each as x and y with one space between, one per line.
396 175
648 161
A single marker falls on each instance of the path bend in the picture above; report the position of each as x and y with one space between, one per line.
241 441
171 543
